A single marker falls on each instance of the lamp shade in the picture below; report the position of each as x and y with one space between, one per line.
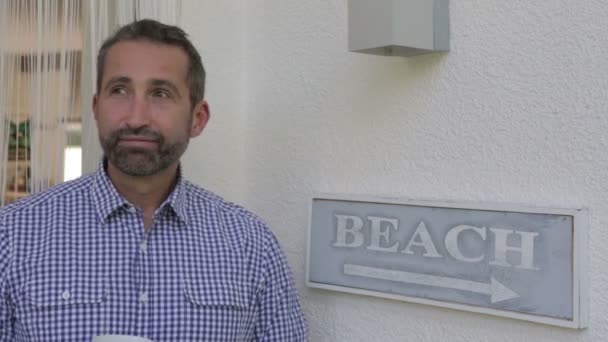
398 27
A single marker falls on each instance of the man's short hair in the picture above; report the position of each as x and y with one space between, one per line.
156 32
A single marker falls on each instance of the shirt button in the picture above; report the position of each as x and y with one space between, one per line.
66 295
131 209
143 297
143 246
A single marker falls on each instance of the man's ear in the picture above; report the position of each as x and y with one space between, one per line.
94 106
200 117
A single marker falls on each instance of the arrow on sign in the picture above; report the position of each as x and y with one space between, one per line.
497 291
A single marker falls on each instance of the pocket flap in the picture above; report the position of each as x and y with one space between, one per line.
58 292
217 293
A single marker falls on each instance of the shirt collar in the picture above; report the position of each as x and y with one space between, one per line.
177 199
107 199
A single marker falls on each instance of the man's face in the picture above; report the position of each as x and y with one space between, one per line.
143 111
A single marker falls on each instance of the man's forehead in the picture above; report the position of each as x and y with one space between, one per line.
134 59
146 45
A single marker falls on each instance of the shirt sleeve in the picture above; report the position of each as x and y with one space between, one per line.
281 316
6 311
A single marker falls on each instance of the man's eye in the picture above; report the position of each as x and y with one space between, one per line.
118 91
162 93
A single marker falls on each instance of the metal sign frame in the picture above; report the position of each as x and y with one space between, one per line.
579 258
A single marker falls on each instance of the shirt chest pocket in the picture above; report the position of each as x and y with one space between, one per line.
220 308
52 307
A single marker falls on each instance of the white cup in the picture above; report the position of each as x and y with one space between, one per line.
120 338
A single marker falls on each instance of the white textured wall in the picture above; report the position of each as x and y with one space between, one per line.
516 113
215 159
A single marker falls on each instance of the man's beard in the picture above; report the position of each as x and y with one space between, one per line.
140 162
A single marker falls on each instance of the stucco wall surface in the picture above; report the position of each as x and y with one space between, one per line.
514 113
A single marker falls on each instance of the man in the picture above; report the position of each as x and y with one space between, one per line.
135 248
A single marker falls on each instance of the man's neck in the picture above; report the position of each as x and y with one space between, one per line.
146 193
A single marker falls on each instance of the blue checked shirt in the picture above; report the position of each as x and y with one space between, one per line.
75 262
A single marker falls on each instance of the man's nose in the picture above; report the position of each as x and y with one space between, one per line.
138 115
